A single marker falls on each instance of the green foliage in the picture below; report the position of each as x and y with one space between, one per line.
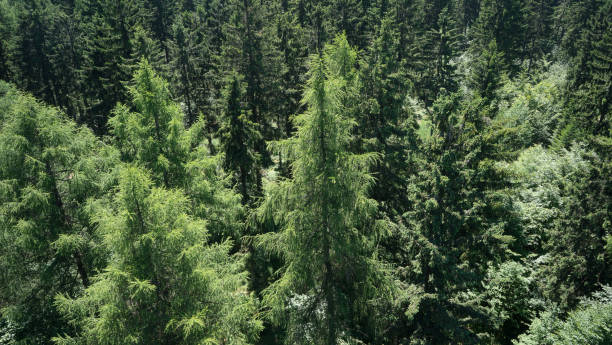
478 130
164 283
588 324
507 298
238 137
49 172
155 138
532 108
571 260
330 278
154 135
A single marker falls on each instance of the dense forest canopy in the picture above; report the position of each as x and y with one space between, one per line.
334 172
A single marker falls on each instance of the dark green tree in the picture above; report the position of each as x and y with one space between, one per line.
501 21
439 48
238 137
384 124
486 72
461 221
589 90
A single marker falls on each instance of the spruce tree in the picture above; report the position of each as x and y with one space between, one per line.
589 90
486 72
440 46
108 46
238 137
384 124
501 21
291 44
330 278
189 53
461 221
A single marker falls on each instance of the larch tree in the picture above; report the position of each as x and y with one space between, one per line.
164 283
49 172
330 278
152 135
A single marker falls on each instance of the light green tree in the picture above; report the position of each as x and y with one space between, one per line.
331 278
164 284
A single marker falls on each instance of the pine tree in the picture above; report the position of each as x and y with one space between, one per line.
329 277
31 55
164 284
108 49
538 15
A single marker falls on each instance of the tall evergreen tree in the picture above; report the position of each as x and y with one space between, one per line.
330 276
440 46
189 58
486 72
384 124
238 137
108 46
501 21
461 221
590 86
291 44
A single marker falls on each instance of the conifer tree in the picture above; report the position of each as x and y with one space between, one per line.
538 15
461 221
8 28
238 136
164 284
163 13
31 53
384 124
153 135
501 21
189 54
440 47
49 171
330 276
590 89
291 44
486 72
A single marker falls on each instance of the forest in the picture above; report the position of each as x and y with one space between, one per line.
325 172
